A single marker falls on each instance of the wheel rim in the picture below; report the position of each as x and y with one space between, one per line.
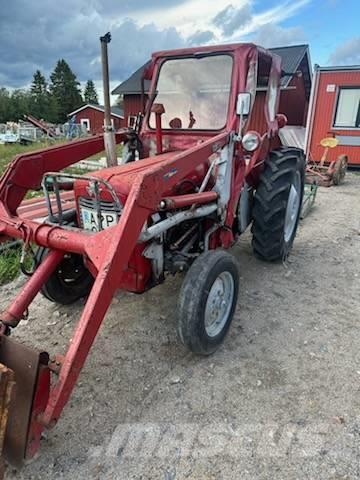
72 272
292 208
219 303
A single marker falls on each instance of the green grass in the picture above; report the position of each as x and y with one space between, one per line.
10 257
10 261
8 152
9 264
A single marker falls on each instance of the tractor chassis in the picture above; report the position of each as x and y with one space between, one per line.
143 200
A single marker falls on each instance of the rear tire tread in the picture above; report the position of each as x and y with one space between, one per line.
270 203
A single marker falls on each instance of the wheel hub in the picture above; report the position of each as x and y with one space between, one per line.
218 305
292 209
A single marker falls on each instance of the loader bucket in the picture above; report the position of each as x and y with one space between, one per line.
6 386
20 428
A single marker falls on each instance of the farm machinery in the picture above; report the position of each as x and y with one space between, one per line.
322 174
197 171
327 173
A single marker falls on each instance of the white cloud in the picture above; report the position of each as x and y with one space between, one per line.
271 35
188 17
347 53
71 31
272 16
231 19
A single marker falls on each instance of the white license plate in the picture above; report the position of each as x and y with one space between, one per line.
90 219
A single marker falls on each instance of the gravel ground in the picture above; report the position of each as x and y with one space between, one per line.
279 400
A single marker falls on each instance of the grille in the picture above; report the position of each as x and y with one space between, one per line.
105 206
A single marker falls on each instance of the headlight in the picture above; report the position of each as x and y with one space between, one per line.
250 141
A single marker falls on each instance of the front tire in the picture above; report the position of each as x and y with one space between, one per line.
277 204
207 301
69 282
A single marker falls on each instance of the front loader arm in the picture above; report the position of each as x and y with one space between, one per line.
114 262
142 201
26 171
109 252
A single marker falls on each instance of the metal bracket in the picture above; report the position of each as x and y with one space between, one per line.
55 179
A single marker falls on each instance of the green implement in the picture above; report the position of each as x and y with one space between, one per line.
310 190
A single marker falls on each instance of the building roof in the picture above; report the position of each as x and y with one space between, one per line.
133 84
115 111
293 57
340 68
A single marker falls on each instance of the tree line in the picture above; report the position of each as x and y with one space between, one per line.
51 100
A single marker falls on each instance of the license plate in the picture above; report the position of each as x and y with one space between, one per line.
90 219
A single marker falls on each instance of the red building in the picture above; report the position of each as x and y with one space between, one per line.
130 90
92 117
295 88
335 112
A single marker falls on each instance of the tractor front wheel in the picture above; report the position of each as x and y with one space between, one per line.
69 282
277 204
207 301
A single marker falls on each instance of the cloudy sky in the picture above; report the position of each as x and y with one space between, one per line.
34 34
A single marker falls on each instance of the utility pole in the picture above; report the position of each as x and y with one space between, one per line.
109 134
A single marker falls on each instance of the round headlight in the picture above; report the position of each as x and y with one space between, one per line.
250 141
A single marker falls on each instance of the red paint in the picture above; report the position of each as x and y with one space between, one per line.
159 110
257 120
96 118
132 106
190 199
15 312
114 255
293 102
324 111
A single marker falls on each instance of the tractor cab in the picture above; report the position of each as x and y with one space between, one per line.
194 94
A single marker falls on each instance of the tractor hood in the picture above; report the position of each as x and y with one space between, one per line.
122 177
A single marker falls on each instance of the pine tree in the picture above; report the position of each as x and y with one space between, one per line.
38 86
90 93
64 89
5 101
19 105
39 96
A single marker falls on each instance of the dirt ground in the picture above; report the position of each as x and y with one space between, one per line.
279 400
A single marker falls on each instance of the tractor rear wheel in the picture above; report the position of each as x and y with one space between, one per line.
277 203
69 282
207 301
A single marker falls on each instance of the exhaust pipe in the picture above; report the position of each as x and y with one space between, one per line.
109 134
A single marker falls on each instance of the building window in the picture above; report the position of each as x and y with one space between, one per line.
85 122
347 114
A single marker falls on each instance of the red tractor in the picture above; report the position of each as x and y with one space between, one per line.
198 168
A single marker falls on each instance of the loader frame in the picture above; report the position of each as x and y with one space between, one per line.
26 172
